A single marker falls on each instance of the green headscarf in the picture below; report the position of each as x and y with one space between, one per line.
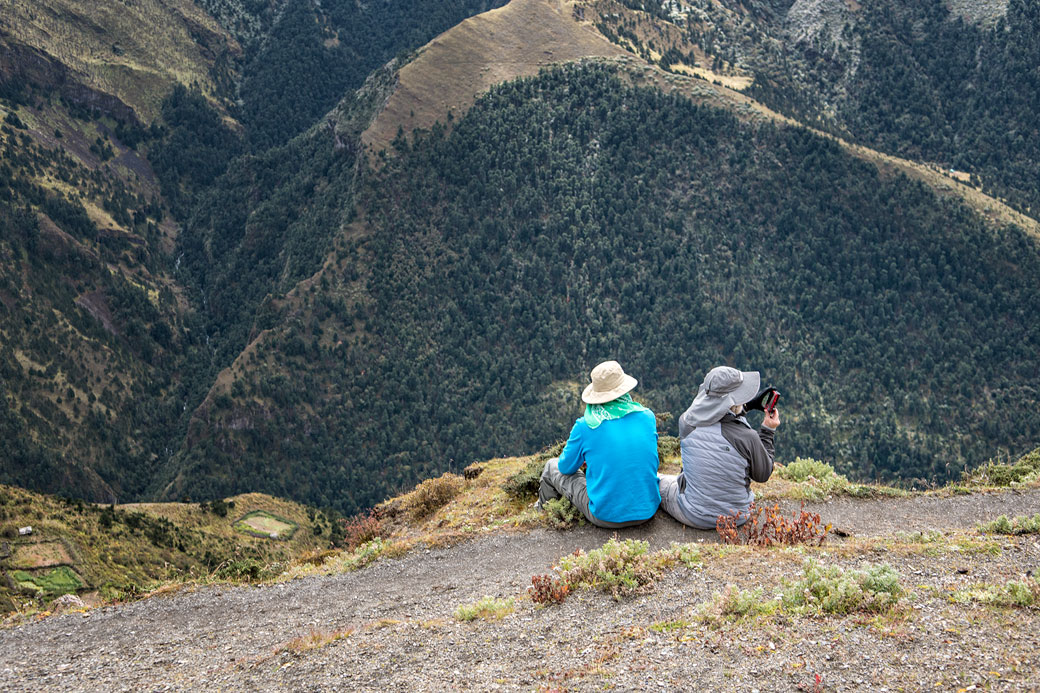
595 414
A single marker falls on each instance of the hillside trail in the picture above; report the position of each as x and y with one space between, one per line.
216 637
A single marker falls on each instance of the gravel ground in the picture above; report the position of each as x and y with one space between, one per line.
402 636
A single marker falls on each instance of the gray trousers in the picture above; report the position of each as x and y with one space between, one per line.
572 487
669 485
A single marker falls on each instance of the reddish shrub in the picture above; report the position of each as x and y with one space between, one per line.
361 528
766 526
547 589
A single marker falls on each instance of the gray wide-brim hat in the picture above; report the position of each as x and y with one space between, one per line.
723 387
609 382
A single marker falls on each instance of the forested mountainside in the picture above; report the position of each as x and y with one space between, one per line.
571 218
219 288
113 121
949 82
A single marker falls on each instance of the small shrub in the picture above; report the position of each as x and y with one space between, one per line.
9 532
317 558
487 608
929 537
618 567
433 494
524 484
1022 524
733 603
365 554
1025 471
1012 594
803 468
819 478
833 590
554 450
766 526
687 554
562 514
547 589
359 529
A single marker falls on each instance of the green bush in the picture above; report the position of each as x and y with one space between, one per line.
819 478
618 567
804 467
1022 524
668 447
833 590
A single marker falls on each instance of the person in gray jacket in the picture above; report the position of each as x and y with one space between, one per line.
721 454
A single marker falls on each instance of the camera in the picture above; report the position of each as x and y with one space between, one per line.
765 400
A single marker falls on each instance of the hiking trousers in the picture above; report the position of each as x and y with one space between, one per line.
572 486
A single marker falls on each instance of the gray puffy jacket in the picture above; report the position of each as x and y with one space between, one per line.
719 462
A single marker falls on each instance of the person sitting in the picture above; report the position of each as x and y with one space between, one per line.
721 454
616 440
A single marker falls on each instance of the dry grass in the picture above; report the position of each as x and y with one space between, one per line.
42 554
134 51
314 639
453 69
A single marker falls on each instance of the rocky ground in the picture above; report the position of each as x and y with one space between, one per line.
390 626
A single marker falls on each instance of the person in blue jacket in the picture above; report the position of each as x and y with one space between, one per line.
616 440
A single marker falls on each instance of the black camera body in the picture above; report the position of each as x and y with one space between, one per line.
765 400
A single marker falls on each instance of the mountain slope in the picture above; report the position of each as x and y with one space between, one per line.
298 335
570 218
132 52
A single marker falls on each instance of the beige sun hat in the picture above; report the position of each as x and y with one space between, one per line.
608 383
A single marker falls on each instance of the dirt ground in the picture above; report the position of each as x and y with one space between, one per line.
394 629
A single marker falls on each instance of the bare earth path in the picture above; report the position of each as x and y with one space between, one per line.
404 637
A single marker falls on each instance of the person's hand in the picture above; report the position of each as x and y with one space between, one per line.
772 419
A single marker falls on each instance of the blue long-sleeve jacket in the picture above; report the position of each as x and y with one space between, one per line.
621 458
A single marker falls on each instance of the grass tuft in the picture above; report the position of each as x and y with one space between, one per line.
487 608
432 495
314 639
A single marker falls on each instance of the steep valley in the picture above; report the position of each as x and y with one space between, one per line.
312 272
